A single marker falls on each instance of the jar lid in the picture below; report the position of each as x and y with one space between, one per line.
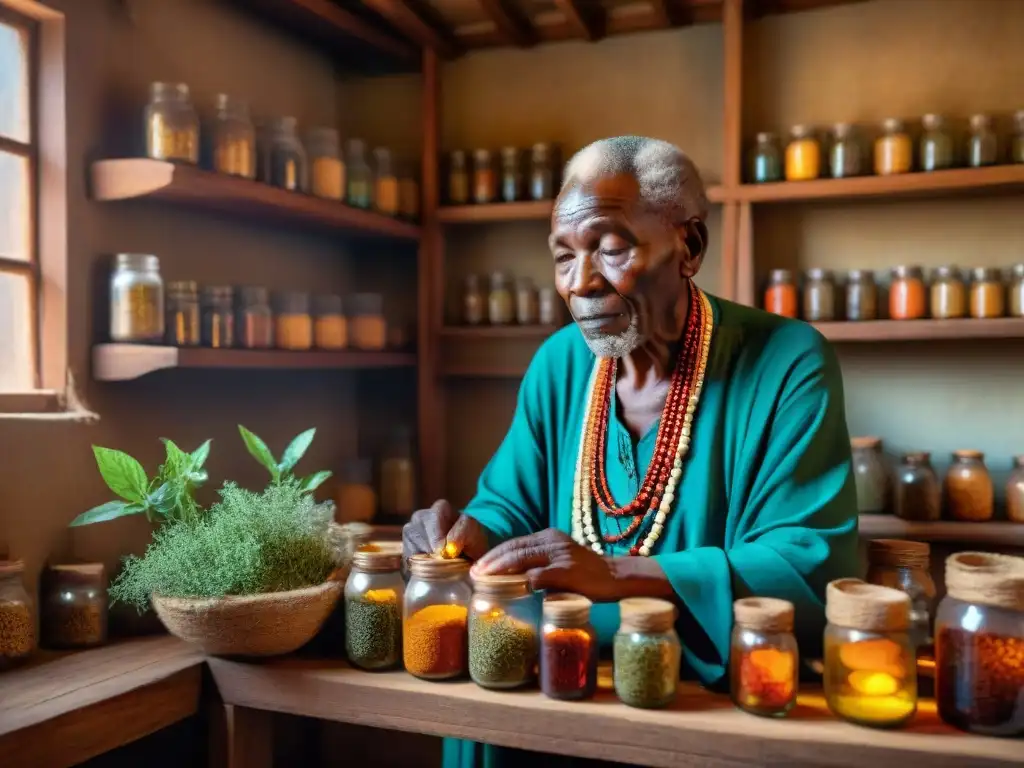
226 102
856 275
842 130
78 573
510 153
499 280
968 454
143 262
11 567
218 292
292 303
646 614
865 443
355 146
1017 270
905 271
502 584
566 606
781 275
855 604
980 121
482 155
892 125
457 156
542 147
284 124
899 553
765 137
946 272
377 560
800 131
162 90
986 579
182 288
360 304
916 457
767 614
254 295
985 275
817 273
433 567
931 122
327 304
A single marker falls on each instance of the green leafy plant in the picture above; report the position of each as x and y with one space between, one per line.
168 497
283 471
248 543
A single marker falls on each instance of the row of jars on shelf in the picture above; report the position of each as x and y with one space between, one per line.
501 306
893 150
987 293
274 154
142 310
483 183
359 499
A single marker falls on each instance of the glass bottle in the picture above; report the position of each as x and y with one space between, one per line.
907 300
360 176
819 296
511 175
355 496
1016 290
504 631
293 324
766 163
917 493
485 182
398 476
904 565
948 294
73 606
988 294
17 616
527 305
979 644
500 304
183 326
968 488
367 324
136 299
287 155
982 145
1017 150
474 302
764 660
234 138
374 592
936 149
893 149
326 167
1015 492
870 675
647 653
846 156
550 306
870 474
172 125
458 178
330 326
254 323
437 598
780 296
861 295
218 304
542 172
568 648
803 154
385 195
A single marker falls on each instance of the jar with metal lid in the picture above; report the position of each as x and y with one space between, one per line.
764 660
218 323
1017 149
904 565
367 326
542 172
374 593
398 475
288 167
1015 492
780 297
647 653
979 644
500 304
982 145
504 630
326 167
458 178
870 474
330 326
254 323
435 617
172 125
803 154
907 299
968 488
1016 290
819 296
527 303
359 175
474 301
988 294
408 193
73 606
917 495
893 149
183 326
766 161
936 148
293 324
846 156
948 294
136 299
870 675
485 182
550 306
17 615
861 295
234 138
511 175
385 191
568 648
355 496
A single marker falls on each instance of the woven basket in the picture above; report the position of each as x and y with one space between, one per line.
251 625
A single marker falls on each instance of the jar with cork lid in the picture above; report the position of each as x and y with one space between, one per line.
569 648
764 660
647 653
968 488
504 626
73 606
904 565
435 616
17 615
374 593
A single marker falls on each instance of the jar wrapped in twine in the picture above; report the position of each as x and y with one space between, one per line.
764 659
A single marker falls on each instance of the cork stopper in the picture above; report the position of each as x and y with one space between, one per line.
765 614
567 608
646 614
855 604
506 584
433 567
11 567
898 553
77 573
865 443
986 579
383 557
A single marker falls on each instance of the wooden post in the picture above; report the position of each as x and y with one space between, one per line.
732 146
248 739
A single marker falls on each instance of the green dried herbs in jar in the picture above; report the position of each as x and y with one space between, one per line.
373 608
647 653
504 631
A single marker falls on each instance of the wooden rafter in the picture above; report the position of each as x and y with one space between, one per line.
589 23
417 24
513 25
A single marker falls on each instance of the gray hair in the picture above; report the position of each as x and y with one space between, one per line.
669 180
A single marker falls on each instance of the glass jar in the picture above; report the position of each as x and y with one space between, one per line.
172 125
287 155
780 295
861 295
359 175
385 192
870 474
893 149
917 493
542 172
485 182
374 593
136 299
979 644
474 302
527 303
183 318
369 329
1016 290
948 294
408 194
988 294
968 488
330 326
255 320
73 606
218 322
458 178
1017 149
354 495
803 154
647 653
511 175
766 161
234 138
904 565
982 145
936 149
764 660
907 300
1015 492
819 296
500 304
17 615
504 629
326 168
870 675
846 157
550 306
437 600
293 325
568 648
398 476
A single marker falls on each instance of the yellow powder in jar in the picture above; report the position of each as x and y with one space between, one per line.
164 142
328 178
331 332
294 332
369 332
385 198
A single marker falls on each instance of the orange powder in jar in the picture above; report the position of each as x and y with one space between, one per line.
435 641
780 297
907 294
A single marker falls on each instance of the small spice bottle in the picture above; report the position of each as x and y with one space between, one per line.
569 648
458 178
474 301
504 631
327 169
293 325
988 294
435 616
1016 290
763 658
803 154
819 296
254 321
17 616
398 476
73 606
485 182
1017 148
359 175
917 493
172 125
234 138
948 294
511 175
218 322
136 299
330 326
870 675
551 306
903 565
647 653
766 162
288 164
871 475
893 149
936 149
367 326
527 306
1015 492
542 172
355 497
968 488
182 327
385 190
500 304
861 295
982 145
374 593
907 300
979 644
846 156
780 295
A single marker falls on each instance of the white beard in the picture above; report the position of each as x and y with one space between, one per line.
618 345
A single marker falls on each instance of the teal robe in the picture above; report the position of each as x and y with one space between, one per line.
766 505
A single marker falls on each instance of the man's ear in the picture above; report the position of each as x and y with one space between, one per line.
694 234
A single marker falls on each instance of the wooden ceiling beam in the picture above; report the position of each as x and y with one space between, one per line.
417 25
513 26
588 23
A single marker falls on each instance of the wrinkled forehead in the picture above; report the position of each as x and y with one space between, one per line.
592 194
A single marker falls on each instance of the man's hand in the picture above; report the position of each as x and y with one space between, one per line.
430 529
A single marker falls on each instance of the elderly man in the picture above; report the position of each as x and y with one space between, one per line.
669 443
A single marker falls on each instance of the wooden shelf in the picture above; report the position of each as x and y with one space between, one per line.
539 210
482 371
923 330
484 332
120 362
994 533
145 179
